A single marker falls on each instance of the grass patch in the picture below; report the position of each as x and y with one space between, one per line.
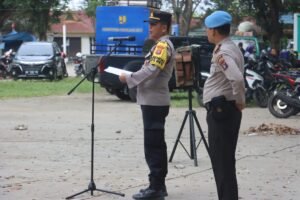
179 98
36 88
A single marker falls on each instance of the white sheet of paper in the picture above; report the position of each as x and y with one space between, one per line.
116 71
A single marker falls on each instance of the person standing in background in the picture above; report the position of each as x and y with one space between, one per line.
224 99
240 45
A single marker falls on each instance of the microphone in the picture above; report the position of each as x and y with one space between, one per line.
128 38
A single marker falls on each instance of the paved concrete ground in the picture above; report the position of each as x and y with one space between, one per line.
51 159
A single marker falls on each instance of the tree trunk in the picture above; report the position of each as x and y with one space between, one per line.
275 30
176 10
42 25
186 18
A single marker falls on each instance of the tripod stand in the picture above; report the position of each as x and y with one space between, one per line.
192 116
92 185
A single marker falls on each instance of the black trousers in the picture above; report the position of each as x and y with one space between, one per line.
223 130
155 147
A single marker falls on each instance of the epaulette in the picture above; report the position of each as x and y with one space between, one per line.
217 48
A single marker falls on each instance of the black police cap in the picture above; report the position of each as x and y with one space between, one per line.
159 16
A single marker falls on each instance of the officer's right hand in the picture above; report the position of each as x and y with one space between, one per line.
122 78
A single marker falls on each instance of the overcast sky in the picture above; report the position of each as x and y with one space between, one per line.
75 4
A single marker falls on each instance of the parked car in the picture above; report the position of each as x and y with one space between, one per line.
38 60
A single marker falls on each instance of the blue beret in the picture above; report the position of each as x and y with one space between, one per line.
217 18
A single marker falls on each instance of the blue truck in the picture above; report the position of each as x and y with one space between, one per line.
122 41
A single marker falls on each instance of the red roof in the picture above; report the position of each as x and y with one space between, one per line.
77 22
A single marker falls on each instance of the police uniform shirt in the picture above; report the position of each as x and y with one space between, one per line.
226 73
153 78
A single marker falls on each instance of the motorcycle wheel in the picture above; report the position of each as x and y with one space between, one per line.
260 97
279 108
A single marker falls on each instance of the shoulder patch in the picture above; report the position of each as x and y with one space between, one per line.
221 61
160 55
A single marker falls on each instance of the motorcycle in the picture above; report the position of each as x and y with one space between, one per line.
5 61
285 101
78 67
254 84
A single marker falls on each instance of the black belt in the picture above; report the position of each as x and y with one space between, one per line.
209 105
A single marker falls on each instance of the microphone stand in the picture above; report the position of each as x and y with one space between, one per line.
92 185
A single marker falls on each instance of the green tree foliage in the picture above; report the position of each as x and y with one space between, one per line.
5 11
91 5
183 11
267 14
34 16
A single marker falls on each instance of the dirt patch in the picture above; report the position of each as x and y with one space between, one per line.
272 129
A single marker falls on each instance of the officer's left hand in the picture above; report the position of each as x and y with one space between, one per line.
122 78
239 106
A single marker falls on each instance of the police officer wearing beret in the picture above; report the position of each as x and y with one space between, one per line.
224 98
154 98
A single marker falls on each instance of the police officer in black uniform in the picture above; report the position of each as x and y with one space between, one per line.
224 97
154 98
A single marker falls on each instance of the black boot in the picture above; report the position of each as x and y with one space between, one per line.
150 193
164 188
